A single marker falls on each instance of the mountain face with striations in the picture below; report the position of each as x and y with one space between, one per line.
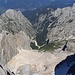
28 6
41 23
14 22
51 28
63 28
15 32
56 25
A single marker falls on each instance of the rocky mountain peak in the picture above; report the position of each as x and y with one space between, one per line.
14 21
54 29
16 32
63 27
66 11
13 14
56 24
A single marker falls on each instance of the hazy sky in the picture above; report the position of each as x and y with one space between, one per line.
29 4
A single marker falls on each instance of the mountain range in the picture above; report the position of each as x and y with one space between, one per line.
36 40
32 4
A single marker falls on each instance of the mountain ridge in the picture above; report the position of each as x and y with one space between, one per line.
15 32
53 28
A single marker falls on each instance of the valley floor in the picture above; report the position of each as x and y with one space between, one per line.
42 63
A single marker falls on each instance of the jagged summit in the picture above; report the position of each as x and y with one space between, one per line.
67 11
15 32
15 36
14 21
56 25
63 27
64 22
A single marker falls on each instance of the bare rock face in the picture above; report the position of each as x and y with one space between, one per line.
58 12
26 70
15 32
2 72
23 70
5 70
56 25
13 21
42 21
65 24
9 44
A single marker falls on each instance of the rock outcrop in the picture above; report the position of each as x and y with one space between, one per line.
15 32
13 21
56 25
41 23
59 23
65 24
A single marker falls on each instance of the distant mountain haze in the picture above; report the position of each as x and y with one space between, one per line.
33 4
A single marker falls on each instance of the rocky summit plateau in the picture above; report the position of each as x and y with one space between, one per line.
44 46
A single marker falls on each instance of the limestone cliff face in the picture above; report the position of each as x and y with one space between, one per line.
10 43
55 25
13 21
15 32
41 23
65 24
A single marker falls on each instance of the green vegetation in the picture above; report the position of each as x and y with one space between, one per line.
32 45
50 47
53 46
